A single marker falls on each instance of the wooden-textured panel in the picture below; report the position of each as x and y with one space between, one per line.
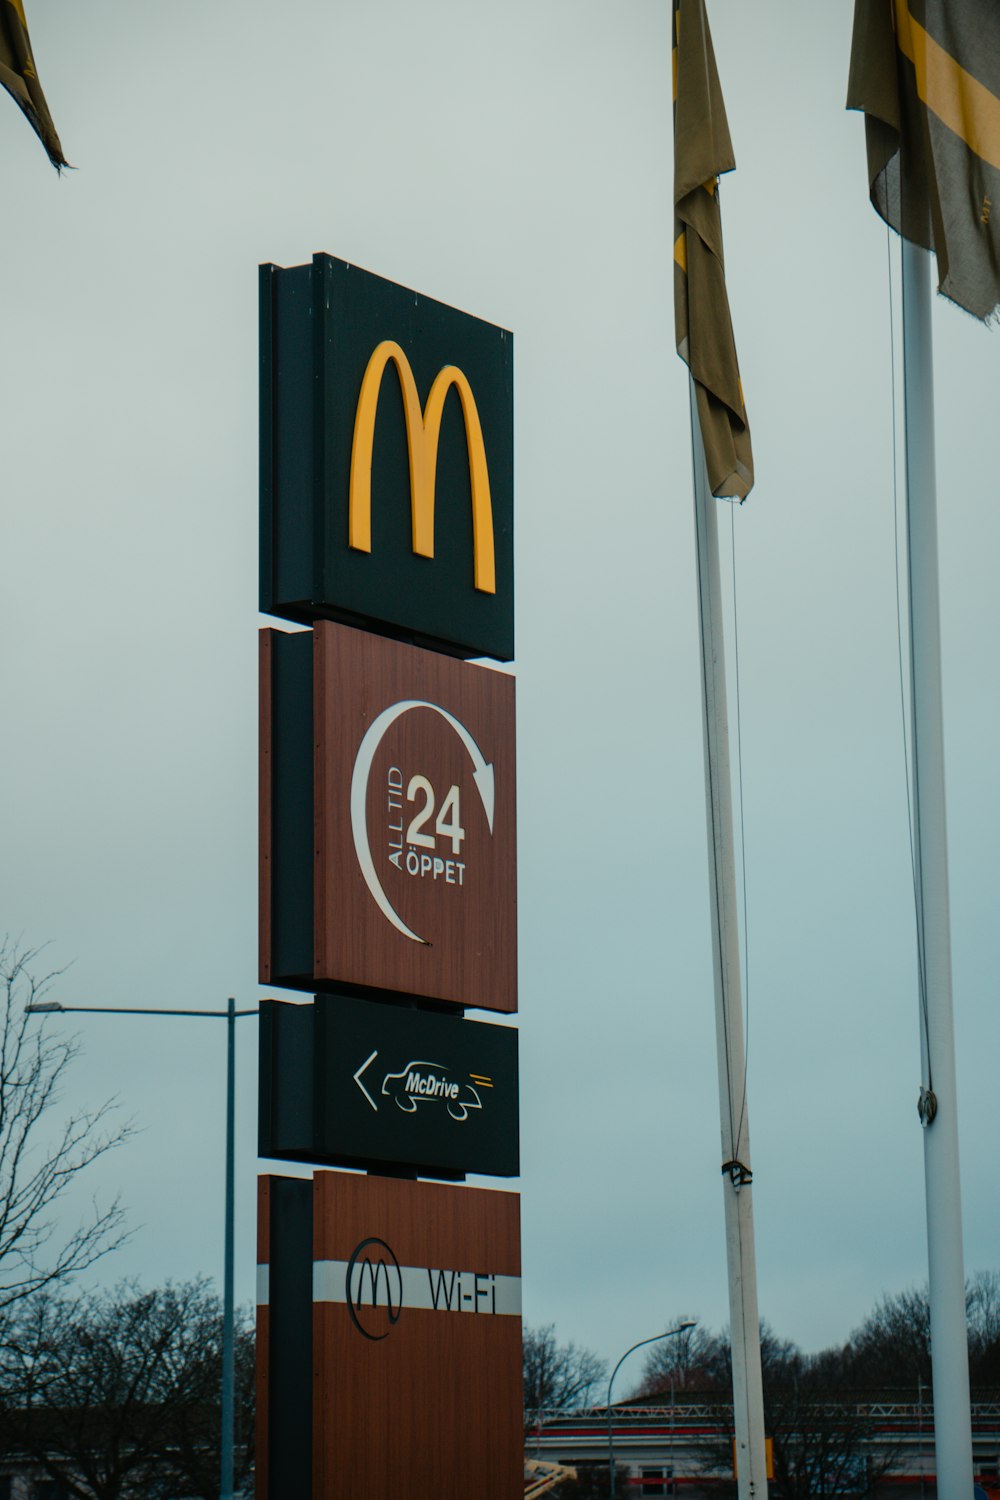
436 914
427 1223
434 1407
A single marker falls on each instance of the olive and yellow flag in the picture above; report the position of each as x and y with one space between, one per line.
704 329
20 79
927 75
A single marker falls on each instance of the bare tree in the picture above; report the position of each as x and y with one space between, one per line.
693 1360
820 1425
556 1375
893 1345
114 1395
197 1425
982 1301
815 1416
43 1152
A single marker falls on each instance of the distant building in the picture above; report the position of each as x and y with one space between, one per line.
686 1447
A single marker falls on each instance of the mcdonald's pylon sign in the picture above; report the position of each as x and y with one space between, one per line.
386 460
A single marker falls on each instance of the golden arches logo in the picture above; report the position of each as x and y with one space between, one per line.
423 430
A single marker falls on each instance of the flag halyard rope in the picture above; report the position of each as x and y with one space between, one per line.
927 1105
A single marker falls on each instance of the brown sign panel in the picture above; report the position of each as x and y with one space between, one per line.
405 853
389 1340
416 1340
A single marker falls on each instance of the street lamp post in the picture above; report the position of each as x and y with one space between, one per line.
229 1015
690 1323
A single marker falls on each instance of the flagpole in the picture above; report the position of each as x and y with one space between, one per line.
939 1113
748 1400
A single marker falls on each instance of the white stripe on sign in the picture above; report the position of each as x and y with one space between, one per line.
263 1285
423 1287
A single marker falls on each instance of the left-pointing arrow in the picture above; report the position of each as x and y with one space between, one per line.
357 1079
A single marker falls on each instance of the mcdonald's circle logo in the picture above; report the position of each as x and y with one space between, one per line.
387 461
374 1288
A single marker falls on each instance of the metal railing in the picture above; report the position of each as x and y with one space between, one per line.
720 1412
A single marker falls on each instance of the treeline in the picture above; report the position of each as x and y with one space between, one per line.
815 1405
114 1395
889 1352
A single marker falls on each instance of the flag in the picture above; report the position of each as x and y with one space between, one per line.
927 75
704 329
19 78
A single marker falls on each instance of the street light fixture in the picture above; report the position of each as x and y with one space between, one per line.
681 1327
229 1015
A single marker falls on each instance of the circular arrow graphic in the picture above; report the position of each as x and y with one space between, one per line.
482 775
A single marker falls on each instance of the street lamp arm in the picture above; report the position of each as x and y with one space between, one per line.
48 1007
681 1328
654 1340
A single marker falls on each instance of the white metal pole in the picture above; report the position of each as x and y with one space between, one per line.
228 1403
939 1112
748 1398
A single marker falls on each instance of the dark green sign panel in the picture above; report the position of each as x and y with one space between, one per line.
361 1083
387 460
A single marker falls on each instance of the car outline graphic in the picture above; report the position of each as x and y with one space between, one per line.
466 1097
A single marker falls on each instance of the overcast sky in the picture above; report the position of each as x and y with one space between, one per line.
514 160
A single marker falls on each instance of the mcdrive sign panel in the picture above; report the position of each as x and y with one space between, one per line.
365 1083
388 819
416 1341
386 478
